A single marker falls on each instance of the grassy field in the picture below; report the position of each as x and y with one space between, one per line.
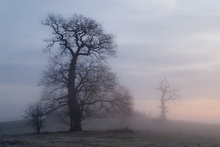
102 133
108 139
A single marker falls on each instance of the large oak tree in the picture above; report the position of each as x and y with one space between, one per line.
77 77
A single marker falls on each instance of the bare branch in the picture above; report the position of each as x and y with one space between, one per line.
77 78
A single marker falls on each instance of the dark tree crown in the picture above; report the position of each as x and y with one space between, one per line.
79 35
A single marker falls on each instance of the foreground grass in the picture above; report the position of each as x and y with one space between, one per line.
108 138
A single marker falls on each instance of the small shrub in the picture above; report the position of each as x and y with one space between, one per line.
35 116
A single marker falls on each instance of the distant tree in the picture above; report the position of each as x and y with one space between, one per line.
34 115
168 94
77 37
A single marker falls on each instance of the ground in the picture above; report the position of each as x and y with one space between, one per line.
110 133
108 139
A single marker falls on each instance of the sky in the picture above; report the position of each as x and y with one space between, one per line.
176 39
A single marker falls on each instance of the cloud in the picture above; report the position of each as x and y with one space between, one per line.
156 39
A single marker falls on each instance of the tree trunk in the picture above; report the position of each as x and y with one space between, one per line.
74 109
163 111
38 130
75 116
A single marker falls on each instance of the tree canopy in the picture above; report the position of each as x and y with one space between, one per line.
78 77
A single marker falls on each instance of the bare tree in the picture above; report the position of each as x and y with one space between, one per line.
77 37
168 94
98 92
35 116
117 102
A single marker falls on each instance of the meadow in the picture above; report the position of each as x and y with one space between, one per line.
106 133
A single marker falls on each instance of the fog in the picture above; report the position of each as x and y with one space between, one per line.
138 122
197 110
175 39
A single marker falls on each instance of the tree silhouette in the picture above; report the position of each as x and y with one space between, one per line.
34 115
168 94
77 78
